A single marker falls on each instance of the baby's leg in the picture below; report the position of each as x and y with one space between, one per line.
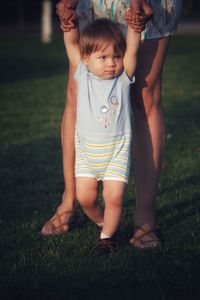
86 192
113 195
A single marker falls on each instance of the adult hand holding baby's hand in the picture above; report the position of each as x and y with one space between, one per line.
139 14
65 9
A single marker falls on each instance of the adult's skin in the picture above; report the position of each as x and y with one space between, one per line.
149 138
149 133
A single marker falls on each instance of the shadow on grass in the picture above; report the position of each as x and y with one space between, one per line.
182 210
186 183
133 281
31 178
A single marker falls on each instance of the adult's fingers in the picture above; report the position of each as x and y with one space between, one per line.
69 3
66 28
61 9
132 18
137 28
132 23
136 5
68 18
146 8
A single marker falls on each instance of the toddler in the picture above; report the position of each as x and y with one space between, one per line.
105 64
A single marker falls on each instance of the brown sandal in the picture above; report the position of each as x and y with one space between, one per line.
60 228
153 242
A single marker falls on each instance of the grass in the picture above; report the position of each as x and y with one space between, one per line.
32 93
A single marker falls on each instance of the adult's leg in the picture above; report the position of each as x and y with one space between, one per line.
67 206
149 135
68 143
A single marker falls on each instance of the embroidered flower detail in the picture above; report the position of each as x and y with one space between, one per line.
108 111
104 109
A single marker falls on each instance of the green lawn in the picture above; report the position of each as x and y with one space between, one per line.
32 98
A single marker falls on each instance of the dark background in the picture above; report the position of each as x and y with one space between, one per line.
23 12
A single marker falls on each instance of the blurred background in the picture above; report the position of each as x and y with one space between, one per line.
38 17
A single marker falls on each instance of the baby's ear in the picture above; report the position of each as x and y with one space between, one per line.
85 59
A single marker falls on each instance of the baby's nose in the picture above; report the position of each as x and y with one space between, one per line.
111 62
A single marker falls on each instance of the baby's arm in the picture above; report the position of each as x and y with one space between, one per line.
66 12
130 56
71 40
136 24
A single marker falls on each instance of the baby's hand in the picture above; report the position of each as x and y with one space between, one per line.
137 21
65 9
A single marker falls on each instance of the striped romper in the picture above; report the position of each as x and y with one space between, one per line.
103 127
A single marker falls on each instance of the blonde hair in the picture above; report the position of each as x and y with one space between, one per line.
99 34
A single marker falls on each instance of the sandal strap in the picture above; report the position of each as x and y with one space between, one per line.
144 233
58 219
134 240
141 228
58 216
150 241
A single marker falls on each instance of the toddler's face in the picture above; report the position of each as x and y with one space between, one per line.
105 63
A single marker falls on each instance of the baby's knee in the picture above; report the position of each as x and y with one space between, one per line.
113 198
86 199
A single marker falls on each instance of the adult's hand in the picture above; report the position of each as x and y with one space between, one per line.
142 7
71 4
65 9
139 14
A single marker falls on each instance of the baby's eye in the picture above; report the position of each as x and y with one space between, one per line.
117 56
102 57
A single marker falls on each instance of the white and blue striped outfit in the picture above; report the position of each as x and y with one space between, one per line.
103 129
